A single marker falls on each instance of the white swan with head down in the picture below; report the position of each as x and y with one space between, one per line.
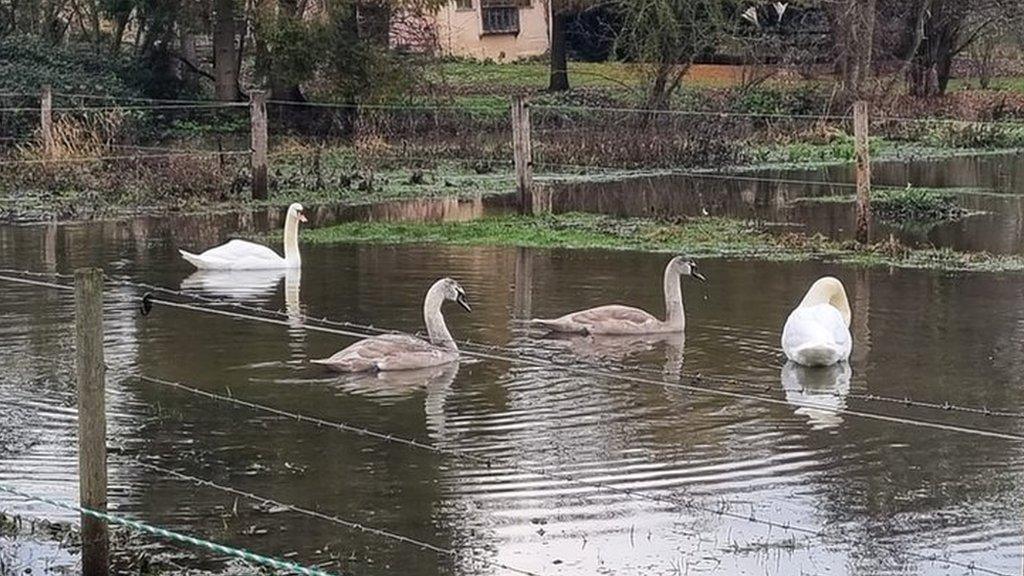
618 319
244 255
817 332
402 351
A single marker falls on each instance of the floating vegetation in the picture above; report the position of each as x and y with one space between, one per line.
908 206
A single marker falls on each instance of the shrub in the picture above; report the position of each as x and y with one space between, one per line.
28 62
916 205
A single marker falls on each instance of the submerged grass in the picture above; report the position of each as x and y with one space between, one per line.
697 237
907 206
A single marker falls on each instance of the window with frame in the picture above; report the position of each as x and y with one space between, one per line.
501 16
463 4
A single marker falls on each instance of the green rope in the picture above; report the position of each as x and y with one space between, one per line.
175 537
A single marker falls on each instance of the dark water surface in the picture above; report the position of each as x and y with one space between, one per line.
989 186
885 493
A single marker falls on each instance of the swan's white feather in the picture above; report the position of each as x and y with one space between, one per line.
236 255
816 335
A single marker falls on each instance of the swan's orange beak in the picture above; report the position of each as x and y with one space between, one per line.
302 217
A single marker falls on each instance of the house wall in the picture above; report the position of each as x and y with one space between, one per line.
460 33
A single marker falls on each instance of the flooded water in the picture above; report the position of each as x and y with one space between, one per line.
990 186
886 496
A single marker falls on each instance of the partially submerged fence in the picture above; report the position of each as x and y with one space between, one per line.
248 150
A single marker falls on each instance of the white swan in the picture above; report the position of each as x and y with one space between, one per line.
617 319
402 351
243 255
817 333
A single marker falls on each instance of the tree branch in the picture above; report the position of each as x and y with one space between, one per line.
181 58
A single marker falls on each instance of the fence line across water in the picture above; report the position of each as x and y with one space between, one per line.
176 537
935 558
723 509
511 355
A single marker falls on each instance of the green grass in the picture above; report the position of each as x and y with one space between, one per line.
1008 83
345 180
532 74
917 205
699 238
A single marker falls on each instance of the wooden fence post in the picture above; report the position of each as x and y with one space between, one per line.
258 131
92 419
863 153
522 150
46 121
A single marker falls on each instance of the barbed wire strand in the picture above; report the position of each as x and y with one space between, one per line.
723 508
698 377
172 536
422 107
89 159
934 558
638 380
770 115
489 463
516 354
351 524
138 99
130 107
903 401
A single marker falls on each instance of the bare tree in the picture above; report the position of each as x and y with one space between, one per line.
666 36
853 28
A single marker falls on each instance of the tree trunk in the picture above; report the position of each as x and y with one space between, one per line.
225 55
853 23
187 45
932 66
559 53
279 89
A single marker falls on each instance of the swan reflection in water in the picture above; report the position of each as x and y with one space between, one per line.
825 386
255 287
243 285
602 348
391 387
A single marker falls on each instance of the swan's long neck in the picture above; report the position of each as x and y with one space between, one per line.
829 291
437 330
675 317
291 242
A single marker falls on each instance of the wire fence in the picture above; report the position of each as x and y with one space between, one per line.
504 353
723 509
356 152
168 535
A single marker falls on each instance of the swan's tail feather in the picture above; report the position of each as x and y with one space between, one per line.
816 354
556 325
344 365
193 259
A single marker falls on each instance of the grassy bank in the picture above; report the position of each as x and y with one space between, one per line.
698 237
121 188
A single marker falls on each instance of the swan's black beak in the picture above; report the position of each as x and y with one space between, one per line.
461 299
699 276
